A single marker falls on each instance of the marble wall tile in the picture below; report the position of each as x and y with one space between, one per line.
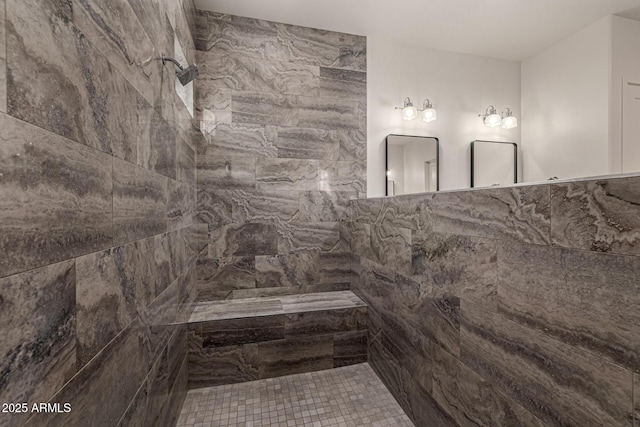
325 322
135 413
238 139
361 239
214 207
287 270
56 198
353 52
307 143
343 176
152 17
392 246
585 299
336 268
558 383
309 45
349 348
186 164
286 174
295 355
224 274
325 206
404 212
308 236
353 145
463 266
601 216
159 318
421 407
386 367
336 82
376 285
223 365
157 141
241 72
264 206
102 390
158 379
265 109
519 213
116 32
3 59
470 399
221 333
226 172
75 93
113 287
636 395
213 108
327 113
244 239
171 257
181 205
139 202
38 350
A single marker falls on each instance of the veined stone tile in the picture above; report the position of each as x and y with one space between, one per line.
325 206
286 174
376 285
588 300
55 198
3 59
157 141
336 268
405 212
460 265
152 16
265 109
116 32
251 37
223 365
636 394
75 92
420 405
519 213
308 236
237 139
295 355
246 239
306 143
361 240
558 383
327 113
353 145
309 45
181 205
135 413
353 52
320 301
221 333
470 399
139 202
369 211
234 309
241 72
215 172
186 164
600 216
322 322
113 288
290 270
171 257
391 246
342 83
264 206
38 345
214 207
159 318
213 107
386 367
226 274
102 390
158 379
182 28
343 176
349 348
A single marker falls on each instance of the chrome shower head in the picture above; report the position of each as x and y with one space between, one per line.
185 75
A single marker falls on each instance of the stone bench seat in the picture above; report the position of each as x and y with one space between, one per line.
241 340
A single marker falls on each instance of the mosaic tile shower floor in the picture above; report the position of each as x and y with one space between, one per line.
348 396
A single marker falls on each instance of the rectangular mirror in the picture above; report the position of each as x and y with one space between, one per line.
493 163
411 165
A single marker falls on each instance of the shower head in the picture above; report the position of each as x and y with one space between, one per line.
188 74
185 75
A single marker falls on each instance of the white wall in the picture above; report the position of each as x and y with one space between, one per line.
460 87
625 67
565 106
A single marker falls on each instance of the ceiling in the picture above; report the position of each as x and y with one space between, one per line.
506 29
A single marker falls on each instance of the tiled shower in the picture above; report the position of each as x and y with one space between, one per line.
226 268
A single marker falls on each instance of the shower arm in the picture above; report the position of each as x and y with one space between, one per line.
165 58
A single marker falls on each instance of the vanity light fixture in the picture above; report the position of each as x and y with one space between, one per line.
491 118
409 112
509 121
429 114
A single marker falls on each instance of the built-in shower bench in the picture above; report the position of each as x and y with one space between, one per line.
241 340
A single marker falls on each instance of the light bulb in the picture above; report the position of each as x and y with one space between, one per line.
409 112
493 120
429 115
509 122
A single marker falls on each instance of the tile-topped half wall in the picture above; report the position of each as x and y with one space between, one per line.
283 110
97 208
509 306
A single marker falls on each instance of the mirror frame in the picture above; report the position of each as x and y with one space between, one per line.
386 161
515 158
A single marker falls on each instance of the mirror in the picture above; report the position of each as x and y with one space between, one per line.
411 164
493 163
